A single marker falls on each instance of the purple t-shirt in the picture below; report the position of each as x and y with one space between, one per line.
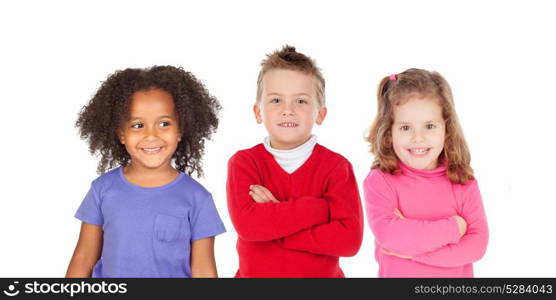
148 231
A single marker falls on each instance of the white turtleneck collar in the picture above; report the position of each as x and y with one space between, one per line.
291 160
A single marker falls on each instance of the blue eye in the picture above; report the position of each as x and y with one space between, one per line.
137 125
404 128
431 126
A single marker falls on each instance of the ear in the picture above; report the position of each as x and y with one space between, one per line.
257 112
121 136
321 115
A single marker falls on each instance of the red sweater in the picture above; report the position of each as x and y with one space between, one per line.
318 219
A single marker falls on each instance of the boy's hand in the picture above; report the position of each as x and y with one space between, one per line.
386 251
260 194
398 214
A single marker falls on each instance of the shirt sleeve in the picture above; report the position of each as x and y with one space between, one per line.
404 236
266 221
90 211
472 246
343 234
205 221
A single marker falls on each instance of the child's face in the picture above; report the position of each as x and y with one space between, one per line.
151 134
288 108
418 132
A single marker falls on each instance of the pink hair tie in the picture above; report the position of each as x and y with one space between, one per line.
393 77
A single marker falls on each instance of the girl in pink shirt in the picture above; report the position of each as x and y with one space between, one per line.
422 201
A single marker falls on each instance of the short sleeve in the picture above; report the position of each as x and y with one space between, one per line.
89 211
205 221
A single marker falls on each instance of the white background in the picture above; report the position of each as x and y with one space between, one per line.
497 55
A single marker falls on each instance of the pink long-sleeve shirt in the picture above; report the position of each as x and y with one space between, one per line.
428 233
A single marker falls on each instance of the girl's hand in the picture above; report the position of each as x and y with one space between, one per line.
388 252
398 214
260 194
462 224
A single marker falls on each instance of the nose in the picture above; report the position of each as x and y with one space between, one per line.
418 136
151 132
287 109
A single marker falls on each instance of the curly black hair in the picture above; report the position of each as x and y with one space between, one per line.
196 111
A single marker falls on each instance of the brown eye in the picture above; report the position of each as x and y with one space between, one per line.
404 128
431 126
164 124
274 100
137 126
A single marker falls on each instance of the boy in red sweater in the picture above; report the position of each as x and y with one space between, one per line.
294 203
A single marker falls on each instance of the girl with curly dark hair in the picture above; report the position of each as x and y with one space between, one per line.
146 217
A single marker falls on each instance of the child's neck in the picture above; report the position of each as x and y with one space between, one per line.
146 177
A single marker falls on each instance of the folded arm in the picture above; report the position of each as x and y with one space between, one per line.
266 221
405 236
472 245
341 236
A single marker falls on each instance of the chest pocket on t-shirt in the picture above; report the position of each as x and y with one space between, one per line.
167 228
171 246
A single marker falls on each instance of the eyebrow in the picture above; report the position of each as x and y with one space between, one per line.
297 94
161 117
429 121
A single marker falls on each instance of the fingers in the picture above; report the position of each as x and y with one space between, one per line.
257 198
268 194
397 213
462 225
260 194
388 252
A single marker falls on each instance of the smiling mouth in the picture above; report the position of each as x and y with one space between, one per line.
419 151
152 150
288 124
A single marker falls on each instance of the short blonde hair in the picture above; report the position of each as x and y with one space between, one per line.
289 59
395 90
